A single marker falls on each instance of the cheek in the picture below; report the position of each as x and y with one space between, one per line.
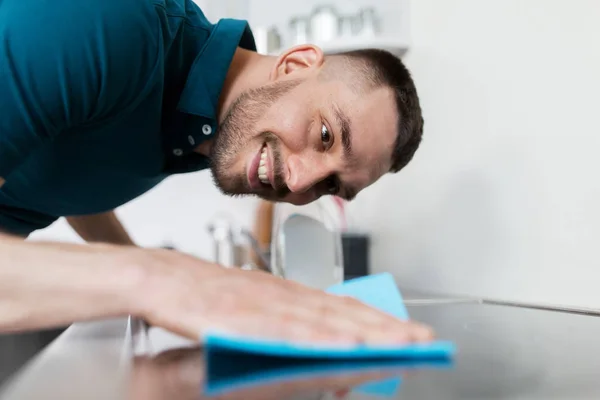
290 120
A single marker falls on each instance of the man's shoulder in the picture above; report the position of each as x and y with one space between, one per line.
185 10
67 17
96 17
91 7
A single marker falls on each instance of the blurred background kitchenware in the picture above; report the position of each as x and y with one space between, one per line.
299 30
310 252
263 232
369 23
306 244
234 245
356 246
268 39
324 23
348 26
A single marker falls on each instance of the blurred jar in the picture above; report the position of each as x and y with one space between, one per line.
368 22
324 23
299 30
267 39
322 210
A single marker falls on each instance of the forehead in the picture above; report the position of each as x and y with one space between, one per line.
373 120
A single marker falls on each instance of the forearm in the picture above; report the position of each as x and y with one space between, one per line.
100 228
44 285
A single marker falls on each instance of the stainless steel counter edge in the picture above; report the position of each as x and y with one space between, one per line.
63 370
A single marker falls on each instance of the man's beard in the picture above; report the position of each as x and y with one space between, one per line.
237 131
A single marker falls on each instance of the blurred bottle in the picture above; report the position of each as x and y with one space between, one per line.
267 39
346 26
368 24
299 30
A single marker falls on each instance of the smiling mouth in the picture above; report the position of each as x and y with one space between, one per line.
263 171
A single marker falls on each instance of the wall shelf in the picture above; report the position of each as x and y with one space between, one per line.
393 45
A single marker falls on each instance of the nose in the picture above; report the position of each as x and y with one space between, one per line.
304 174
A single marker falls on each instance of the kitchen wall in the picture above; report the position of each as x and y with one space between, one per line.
503 198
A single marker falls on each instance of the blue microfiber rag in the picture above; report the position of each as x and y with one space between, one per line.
379 291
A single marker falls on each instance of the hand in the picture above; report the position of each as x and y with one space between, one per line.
180 374
189 297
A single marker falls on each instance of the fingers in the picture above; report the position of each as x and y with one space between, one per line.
332 321
423 333
259 305
351 317
357 322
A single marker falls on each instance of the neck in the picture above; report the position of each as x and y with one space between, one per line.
248 70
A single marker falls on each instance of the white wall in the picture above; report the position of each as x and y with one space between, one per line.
503 198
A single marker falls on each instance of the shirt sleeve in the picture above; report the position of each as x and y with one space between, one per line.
66 64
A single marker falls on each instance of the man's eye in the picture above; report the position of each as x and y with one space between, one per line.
332 185
325 135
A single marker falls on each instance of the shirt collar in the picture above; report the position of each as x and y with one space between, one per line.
205 80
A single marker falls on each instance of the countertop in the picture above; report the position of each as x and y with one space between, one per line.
504 352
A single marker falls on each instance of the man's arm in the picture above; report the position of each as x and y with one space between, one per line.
103 228
44 285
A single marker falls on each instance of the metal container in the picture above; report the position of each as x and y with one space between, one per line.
233 245
299 30
225 249
346 26
324 23
369 22
268 40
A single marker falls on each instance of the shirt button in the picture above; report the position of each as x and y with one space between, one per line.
177 152
191 140
206 129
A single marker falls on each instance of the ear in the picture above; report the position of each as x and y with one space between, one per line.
296 59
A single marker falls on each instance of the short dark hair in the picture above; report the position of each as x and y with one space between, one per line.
385 69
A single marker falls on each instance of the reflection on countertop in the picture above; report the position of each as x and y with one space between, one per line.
123 359
185 373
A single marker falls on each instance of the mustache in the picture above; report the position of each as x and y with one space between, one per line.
280 187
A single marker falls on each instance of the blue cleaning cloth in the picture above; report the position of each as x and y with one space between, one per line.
379 291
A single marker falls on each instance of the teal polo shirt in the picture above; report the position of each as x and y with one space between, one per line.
100 100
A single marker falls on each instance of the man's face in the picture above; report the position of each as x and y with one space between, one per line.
301 137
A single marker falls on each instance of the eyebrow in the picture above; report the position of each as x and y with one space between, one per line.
346 132
345 129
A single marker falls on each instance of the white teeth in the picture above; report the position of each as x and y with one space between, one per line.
262 169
